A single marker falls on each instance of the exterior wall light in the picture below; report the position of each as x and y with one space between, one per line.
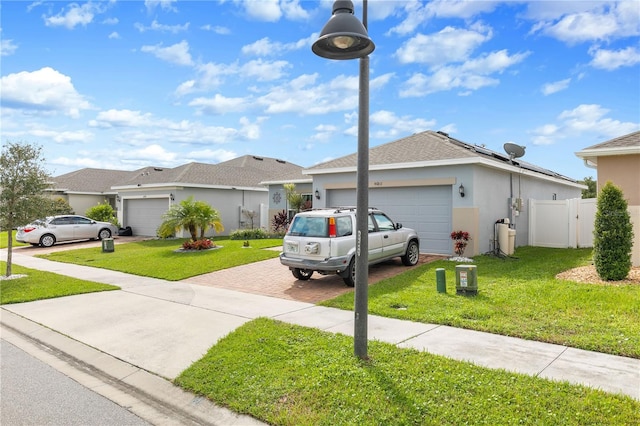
317 194
461 190
172 197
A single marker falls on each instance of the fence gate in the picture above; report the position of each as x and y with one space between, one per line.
562 223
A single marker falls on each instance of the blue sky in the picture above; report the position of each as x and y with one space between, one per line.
128 84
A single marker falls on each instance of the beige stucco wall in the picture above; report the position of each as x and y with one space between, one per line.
467 219
624 172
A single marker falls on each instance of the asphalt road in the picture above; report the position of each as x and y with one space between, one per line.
33 393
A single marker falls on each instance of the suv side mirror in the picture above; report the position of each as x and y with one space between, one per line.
398 225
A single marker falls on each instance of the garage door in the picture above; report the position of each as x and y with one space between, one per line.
145 215
425 209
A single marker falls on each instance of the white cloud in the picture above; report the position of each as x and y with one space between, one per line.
75 15
7 47
209 76
397 125
473 75
417 13
614 59
264 70
175 54
266 47
155 26
114 35
273 10
62 137
122 118
556 86
216 29
585 119
220 104
211 155
45 90
166 5
576 22
448 45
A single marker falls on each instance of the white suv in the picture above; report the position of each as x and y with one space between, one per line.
324 240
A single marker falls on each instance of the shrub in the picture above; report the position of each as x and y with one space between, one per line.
202 244
612 235
461 239
249 234
59 206
280 221
103 213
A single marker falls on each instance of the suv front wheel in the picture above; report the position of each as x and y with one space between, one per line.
302 274
412 254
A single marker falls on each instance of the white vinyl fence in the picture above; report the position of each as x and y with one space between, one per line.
562 223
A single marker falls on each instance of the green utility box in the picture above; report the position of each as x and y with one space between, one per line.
107 245
466 279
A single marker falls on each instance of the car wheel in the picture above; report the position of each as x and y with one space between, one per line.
350 277
47 240
412 255
104 233
302 274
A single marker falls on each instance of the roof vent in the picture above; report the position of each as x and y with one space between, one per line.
158 169
258 158
281 161
443 133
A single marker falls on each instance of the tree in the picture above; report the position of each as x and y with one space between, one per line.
103 213
613 235
192 216
295 199
22 182
591 191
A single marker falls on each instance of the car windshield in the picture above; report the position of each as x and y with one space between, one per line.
308 226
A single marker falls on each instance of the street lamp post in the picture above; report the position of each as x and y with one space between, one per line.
344 37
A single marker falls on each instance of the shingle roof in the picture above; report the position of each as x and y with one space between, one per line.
428 146
630 140
246 171
89 180
425 146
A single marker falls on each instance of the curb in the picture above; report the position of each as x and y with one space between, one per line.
151 397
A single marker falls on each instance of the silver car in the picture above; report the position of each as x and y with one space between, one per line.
323 241
46 232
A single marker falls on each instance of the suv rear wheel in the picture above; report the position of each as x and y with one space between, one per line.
302 274
349 277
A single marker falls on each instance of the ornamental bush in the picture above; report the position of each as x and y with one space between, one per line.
612 235
249 234
102 213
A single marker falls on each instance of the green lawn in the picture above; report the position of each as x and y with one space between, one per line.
158 259
3 240
290 375
518 297
42 285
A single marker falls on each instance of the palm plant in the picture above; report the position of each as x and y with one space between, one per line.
192 216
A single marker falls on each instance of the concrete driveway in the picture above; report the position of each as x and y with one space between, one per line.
267 278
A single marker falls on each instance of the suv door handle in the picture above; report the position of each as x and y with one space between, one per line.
386 236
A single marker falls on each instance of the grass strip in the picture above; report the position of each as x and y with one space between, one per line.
37 285
290 375
159 258
517 297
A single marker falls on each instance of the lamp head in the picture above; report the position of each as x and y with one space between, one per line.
344 36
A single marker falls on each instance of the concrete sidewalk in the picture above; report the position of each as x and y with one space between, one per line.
163 327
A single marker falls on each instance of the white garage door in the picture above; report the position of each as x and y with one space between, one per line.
425 209
145 215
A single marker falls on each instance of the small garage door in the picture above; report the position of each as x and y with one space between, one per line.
145 215
425 209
